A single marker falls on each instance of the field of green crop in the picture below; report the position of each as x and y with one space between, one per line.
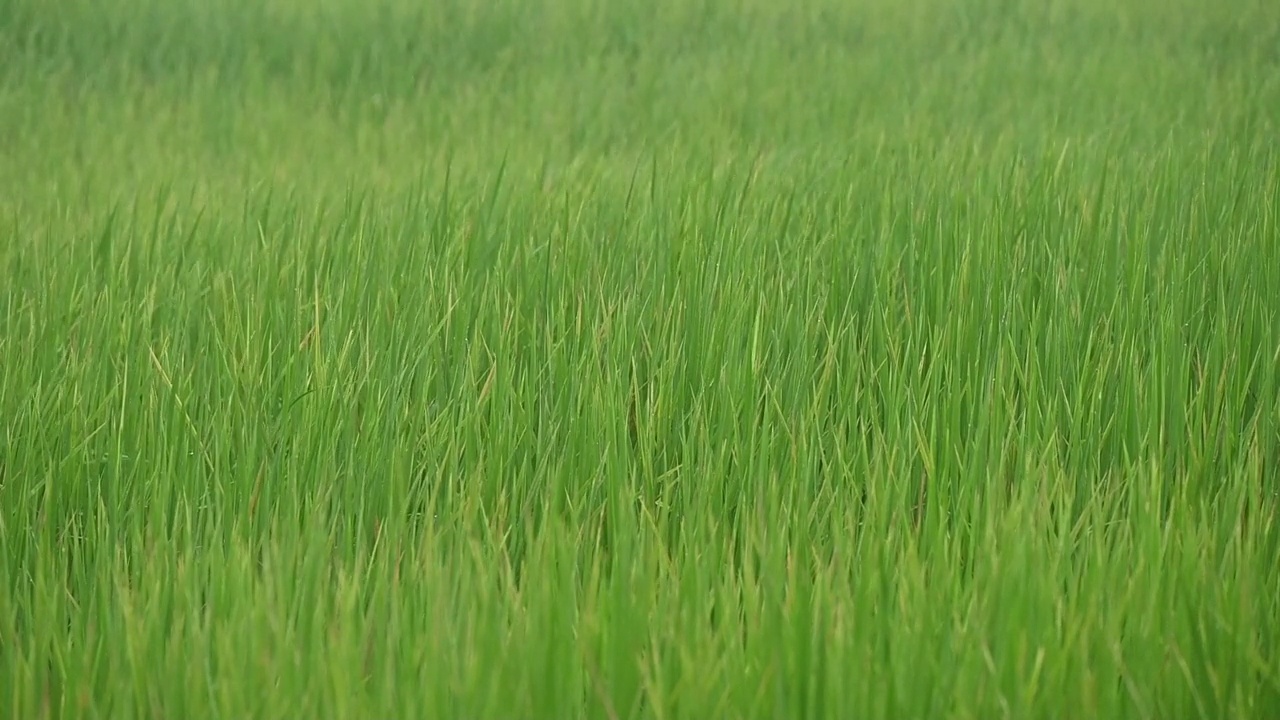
555 359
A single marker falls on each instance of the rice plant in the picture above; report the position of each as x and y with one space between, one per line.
585 359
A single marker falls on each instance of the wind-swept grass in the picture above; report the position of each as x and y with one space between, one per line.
580 359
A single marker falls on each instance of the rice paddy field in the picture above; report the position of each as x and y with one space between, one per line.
640 359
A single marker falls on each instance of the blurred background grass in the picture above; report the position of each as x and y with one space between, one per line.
117 95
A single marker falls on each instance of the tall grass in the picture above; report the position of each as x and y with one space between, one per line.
622 359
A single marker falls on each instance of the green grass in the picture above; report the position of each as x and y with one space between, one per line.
586 359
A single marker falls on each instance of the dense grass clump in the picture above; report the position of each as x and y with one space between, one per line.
571 358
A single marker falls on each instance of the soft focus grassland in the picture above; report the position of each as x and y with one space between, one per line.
573 358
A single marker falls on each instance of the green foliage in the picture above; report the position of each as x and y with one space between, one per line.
575 358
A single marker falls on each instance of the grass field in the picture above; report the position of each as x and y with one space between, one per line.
640 358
